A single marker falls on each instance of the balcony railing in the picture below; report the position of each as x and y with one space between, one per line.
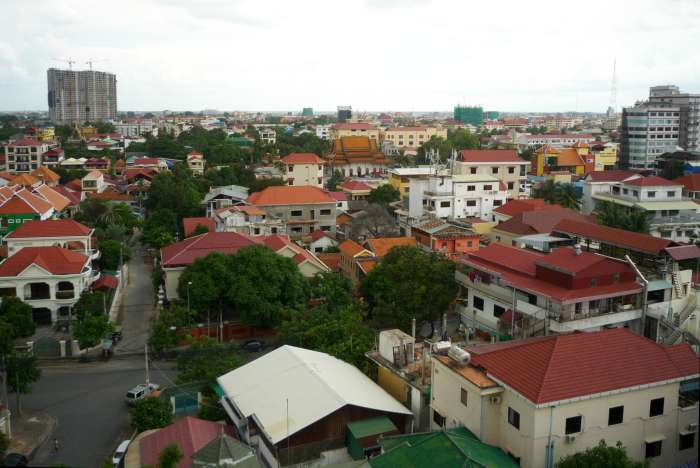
70 294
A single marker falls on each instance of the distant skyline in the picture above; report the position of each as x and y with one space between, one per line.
376 55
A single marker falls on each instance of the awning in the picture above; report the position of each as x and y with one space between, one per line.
657 285
654 438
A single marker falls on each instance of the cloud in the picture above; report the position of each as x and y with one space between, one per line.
372 54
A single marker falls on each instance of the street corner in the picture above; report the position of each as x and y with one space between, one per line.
30 432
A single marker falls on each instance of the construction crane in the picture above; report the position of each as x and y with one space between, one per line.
91 61
69 61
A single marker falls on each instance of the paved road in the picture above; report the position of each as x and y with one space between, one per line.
88 402
137 304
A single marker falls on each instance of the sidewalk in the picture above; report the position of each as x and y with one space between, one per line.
30 431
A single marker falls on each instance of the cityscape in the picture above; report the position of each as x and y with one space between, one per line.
270 259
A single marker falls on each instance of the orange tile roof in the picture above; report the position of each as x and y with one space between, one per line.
190 225
109 195
302 158
569 157
45 174
24 179
350 248
24 202
290 195
353 126
355 185
55 260
331 260
342 219
57 199
381 246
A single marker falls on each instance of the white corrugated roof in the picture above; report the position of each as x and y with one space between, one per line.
315 384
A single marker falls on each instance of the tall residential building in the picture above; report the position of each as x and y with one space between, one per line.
648 130
469 115
81 96
344 113
689 105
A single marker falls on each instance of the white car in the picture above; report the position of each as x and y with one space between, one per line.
140 392
119 453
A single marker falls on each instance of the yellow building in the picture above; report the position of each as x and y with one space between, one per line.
400 177
605 158
412 137
47 133
341 130
576 160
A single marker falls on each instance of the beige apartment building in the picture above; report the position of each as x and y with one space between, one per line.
544 398
303 169
505 165
412 137
349 129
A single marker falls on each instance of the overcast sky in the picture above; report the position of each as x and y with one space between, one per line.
410 55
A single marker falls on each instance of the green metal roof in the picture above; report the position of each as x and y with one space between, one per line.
372 426
453 448
225 451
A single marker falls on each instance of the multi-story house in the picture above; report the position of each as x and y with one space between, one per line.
576 160
18 205
323 132
412 137
341 130
64 233
647 131
94 181
605 156
268 136
691 185
246 219
50 279
559 292
504 165
400 177
601 182
133 128
558 140
545 398
303 209
446 238
195 162
456 196
303 169
24 155
350 252
222 197
670 215
53 157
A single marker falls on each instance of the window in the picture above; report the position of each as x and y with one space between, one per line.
685 441
471 202
573 425
325 212
497 203
296 230
438 419
325 228
498 311
656 407
488 187
513 418
511 185
511 170
651 194
494 170
671 193
472 170
471 188
290 168
296 213
444 204
463 396
635 193
653 449
478 303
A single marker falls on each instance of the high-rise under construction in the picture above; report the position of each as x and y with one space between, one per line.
81 96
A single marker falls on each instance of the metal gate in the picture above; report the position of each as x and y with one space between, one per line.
47 347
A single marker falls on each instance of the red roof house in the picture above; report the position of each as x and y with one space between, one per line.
302 158
54 260
51 228
185 252
191 224
290 195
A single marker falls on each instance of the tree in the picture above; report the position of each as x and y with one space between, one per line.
160 228
151 413
340 333
4 444
91 328
383 195
205 360
176 191
558 193
374 221
114 254
200 229
166 329
170 456
335 179
22 372
18 315
90 303
332 289
601 456
409 283
613 215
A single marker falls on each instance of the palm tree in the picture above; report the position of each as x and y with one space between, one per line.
566 196
108 216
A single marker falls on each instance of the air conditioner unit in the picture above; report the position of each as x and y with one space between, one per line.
495 400
693 426
570 438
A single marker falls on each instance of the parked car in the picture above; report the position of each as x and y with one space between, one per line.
118 457
15 459
253 345
140 392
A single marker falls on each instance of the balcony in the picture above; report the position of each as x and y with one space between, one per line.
67 294
592 321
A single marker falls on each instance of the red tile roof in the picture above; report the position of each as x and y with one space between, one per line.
350 248
331 260
302 158
613 236
611 176
515 207
354 185
55 260
73 197
290 195
561 367
318 234
277 243
190 225
339 196
105 282
189 434
25 202
26 142
146 162
541 221
690 182
651 181
381 246
185 252
490 156
50 228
